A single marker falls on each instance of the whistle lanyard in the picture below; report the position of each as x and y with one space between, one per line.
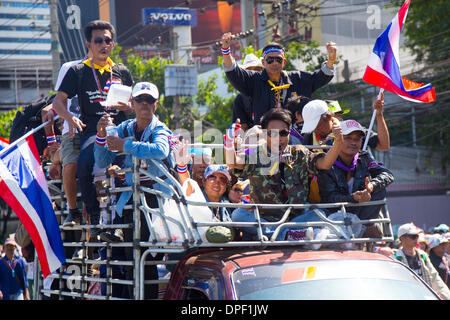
278 96
96 78
344 167
11 266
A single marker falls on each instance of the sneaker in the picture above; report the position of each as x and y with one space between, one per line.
108 236
72 219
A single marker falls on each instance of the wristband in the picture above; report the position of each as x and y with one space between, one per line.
54 112
225 51
51 139
182 169
101 141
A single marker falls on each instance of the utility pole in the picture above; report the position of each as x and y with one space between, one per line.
55 47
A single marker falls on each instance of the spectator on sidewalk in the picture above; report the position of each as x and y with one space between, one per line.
13 274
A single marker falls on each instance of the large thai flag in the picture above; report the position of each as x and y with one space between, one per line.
24 188
383 69
3 143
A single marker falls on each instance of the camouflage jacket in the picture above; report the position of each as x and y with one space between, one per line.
267 181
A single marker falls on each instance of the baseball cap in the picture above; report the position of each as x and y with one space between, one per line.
251 60
11 242
335 107
311 114
348 126
145 88
408 228
435 240
213 168
442 227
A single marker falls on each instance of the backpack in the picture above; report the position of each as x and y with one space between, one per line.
30 118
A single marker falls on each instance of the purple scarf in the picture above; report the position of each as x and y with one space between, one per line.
344 167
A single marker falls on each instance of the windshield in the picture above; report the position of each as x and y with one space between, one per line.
330 280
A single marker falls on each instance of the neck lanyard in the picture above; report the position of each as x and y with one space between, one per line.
344 167
96 78
11 266
278 97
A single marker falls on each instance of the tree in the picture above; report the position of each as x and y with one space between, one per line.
427 33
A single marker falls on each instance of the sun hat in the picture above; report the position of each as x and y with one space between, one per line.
435 240
311 114
145 88
215 168
10 241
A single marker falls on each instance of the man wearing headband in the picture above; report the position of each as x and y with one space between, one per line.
355 177
272 87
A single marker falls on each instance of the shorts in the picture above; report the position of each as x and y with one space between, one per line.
70 149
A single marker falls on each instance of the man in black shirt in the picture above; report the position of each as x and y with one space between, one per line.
90 80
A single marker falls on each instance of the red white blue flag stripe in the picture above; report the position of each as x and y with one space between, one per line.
383 68
24 188
3 143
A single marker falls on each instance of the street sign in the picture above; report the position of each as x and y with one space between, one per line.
180 80
169 17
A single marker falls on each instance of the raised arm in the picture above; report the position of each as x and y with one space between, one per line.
232 158
384 143
326 162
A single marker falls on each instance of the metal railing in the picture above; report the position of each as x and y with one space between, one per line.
187 227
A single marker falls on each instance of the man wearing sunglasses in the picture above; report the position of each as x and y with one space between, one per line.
90 81
278 172
144 137
272 87
418 260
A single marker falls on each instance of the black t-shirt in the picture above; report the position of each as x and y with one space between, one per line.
242 109
414 263
89 96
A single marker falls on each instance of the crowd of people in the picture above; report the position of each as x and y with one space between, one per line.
273 110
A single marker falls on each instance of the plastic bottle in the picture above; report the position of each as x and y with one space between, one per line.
111 131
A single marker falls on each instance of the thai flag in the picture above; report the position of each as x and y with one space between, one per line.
24 188
3 143
383 69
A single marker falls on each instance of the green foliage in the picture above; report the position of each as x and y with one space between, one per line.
6 120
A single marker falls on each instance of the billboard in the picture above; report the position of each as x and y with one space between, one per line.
212 20
170 17
73 15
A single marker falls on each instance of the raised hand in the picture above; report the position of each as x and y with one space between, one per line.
332 51
226 40
336 129
181 153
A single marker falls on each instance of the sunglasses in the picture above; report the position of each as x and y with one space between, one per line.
275 133
270 60
412 236
238 190
146 98
99 40
221 180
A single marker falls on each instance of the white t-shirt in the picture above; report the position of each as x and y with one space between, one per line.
72 104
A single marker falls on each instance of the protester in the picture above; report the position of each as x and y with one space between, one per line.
216 180
318 119
438 249
70 147
242 107
278 173
418 260
90 81
201 159
145 138
13 274
238 190
356 177
272 87
295 106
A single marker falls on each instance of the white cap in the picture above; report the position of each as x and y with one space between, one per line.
311 114
348 126
251 60
145 88
408 228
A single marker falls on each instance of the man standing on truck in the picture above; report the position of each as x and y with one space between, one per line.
145 138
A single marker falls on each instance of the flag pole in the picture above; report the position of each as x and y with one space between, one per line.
26 135
371 122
